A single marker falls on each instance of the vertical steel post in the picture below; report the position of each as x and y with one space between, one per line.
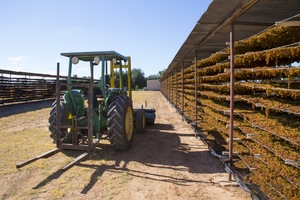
129 77
195 77
167 80
173 86
42 86
231 92
33 87
167 87
169 94
121 76
176 88
106 72
102 76
90 111
171 89
182 85
26 92
58 142
2 83
10 94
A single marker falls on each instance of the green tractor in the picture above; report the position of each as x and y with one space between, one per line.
86 111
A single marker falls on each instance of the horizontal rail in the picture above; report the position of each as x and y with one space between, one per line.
19 87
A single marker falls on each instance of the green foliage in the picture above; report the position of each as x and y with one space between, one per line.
161 73
152 77
124 78
138 79
156 76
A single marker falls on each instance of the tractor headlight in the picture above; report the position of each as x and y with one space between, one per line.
114 61
97 60
75 60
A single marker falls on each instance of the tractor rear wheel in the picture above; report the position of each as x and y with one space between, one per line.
140 121
53 118
120 123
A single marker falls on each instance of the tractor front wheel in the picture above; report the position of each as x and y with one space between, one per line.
120 123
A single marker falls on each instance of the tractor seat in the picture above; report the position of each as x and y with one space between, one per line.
97 93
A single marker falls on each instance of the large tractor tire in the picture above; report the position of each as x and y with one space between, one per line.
53 118
120 123
140 121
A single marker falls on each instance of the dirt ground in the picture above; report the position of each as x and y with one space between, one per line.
166 162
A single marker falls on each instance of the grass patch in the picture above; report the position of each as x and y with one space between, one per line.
17 146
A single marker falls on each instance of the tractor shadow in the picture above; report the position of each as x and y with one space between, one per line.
158 147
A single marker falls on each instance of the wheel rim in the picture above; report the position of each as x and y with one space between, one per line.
129 123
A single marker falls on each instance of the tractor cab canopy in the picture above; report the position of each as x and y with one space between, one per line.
94 55
118 62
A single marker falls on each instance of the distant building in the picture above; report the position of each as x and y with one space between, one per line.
153 84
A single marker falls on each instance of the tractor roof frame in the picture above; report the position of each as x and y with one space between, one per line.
94 57
89 56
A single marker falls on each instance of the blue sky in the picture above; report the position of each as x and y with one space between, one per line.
35 32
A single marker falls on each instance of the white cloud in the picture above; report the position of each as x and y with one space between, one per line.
18 60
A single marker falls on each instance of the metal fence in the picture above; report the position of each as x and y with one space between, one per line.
18 87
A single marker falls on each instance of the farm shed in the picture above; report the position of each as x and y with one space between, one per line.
153 84
236 80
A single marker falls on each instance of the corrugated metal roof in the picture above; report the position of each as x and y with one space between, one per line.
211 32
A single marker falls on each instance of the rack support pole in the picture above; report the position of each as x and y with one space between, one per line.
231 93
182 85
195 77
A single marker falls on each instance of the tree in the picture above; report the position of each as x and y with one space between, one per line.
161 73
117 78
152 77
156 76
138 79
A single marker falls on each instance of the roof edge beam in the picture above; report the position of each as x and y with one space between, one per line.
288 23
253 23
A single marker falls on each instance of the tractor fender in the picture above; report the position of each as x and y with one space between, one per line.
74 102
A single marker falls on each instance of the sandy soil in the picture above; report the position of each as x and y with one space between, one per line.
166 162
